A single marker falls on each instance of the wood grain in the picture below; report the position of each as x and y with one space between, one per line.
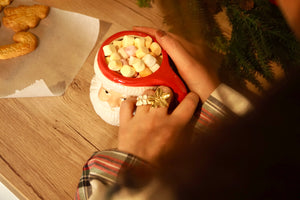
44 142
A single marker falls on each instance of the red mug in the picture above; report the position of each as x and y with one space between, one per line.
163 76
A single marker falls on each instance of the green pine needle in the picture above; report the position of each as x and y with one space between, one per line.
144 3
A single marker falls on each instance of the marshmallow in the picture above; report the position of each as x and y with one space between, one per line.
141 52
127 71
128 40
148 41
132 60
115 65
155 48
115 56
139 65
145 72
117 43
130 50
154 68
123 53
139 42
149 60
133 56
109 49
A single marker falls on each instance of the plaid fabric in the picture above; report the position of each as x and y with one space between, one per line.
105 166
224 104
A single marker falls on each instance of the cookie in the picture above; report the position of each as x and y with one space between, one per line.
25 42
22 18
4 3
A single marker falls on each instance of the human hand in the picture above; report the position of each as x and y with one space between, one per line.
195 64
152 132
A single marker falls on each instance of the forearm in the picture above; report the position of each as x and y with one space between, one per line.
224 104
103 170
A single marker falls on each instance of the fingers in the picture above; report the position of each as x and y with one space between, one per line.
186 108
148 30
163 110
200 77
144 108
176 51
158 101
162 100
126 110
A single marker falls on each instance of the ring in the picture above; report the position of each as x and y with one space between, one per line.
159 99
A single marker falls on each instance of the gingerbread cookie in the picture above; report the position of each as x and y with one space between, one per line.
22 18
4 3
26 42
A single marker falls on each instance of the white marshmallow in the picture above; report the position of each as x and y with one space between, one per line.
148 41
139 42
132 60
128 40
117 43
115 65
155 48
149 60
139 65
123 53
109 49
127 71
115 56
154 68
141 52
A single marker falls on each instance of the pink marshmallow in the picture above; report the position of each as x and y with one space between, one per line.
130 50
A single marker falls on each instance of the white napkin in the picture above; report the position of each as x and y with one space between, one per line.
65 41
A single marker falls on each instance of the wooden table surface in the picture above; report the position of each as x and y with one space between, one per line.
45 141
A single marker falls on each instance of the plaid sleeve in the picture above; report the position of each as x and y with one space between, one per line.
105 167
224 104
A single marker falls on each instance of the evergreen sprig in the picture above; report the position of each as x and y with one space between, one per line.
144 3
260 36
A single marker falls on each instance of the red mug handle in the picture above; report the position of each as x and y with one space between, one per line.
163 76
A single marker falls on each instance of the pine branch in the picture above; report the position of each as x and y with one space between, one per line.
144 3
260 35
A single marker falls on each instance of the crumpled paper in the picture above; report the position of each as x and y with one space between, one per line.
65 41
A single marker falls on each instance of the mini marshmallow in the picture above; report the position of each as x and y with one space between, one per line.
148 41
139 42
128 40
117 43
127 71
123 53
132 60
141 52
109 49
155 48
115 65
154 68
145 72
130 50
139 65
115 56
149 60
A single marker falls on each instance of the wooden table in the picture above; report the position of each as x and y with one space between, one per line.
44 142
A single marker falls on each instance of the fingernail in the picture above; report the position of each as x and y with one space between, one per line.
160 33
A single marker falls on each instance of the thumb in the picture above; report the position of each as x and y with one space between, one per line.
185 110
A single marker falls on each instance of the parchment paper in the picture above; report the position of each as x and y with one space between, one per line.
65 41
